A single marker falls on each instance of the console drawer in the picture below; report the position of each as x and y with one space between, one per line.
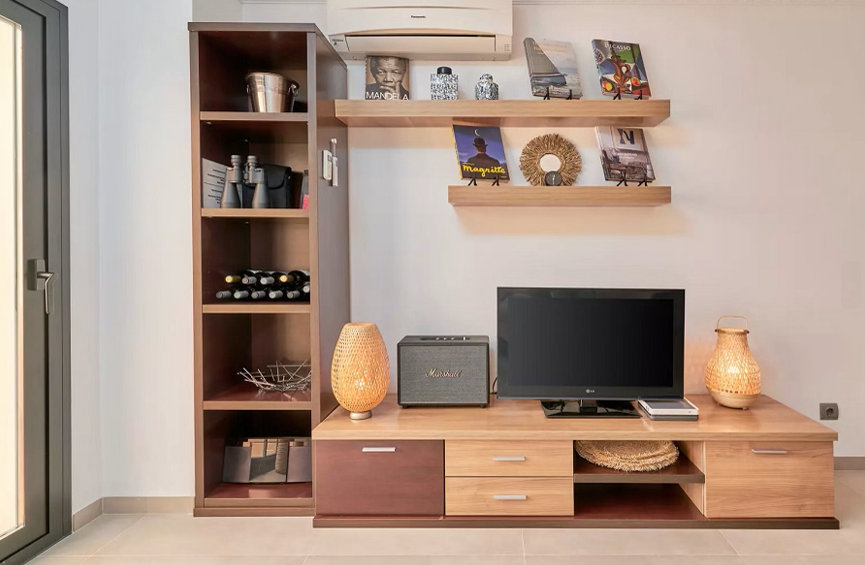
467 458
509 496
379 478
769 480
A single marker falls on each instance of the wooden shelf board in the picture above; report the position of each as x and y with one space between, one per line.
229 495
246 396
682 471
254 308
250 213
507 113
255 117
461 195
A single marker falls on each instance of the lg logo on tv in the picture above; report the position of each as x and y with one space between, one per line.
590 391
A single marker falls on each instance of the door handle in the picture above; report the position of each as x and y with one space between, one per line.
40 279
510 497
770 451
517 458
378 450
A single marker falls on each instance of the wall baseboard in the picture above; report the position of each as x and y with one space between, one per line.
850 463
87 515
132 505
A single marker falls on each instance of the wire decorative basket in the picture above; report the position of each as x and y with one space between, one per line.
280 377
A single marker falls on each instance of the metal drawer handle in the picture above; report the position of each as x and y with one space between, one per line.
770 451
518 458
509 497
379 450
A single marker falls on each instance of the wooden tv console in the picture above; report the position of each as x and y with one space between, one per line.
509 466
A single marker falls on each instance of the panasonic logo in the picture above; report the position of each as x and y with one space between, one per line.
418 17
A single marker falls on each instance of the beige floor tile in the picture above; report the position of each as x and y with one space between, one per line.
849 507
635 560
176 534
853 479
416 560
48 560
419 542
804 560
625 542
92 537
192 560
797 542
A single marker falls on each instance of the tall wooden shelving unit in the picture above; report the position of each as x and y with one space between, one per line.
230 336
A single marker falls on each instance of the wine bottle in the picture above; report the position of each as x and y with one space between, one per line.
269 278
242 293
284 293
298 277
224 294
236 279
258 294
305 289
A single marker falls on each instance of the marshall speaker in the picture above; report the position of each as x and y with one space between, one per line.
443 371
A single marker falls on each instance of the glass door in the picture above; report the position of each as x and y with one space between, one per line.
11 413
34 457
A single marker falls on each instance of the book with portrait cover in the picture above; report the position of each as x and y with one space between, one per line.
481 153
624 154
621 69
553 65
386 78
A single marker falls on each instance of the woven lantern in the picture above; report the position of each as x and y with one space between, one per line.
360 371
733 376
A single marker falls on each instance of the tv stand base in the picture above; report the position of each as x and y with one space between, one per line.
589 409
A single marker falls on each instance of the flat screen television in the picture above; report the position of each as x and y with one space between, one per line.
565 344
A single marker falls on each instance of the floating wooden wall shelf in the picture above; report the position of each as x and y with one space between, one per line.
462 195
509 113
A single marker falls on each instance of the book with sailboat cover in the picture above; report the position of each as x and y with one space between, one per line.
553 68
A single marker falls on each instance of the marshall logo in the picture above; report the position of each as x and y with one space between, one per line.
439 374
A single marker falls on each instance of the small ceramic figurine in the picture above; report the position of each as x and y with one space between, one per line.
443 85
486 89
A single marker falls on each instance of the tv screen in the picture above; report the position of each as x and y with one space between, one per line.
604 344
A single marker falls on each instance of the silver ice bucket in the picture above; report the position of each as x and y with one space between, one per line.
271 92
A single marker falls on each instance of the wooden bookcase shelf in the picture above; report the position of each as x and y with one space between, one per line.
230 336
229 495
246 396
506 113
256 308
461 195
251 213
681 472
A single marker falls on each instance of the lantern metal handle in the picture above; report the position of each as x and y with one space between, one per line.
718 326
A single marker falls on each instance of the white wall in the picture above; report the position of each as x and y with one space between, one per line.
84 98
765 220
216 10
146 248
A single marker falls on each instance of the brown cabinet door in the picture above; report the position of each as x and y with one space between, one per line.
769 479
379 478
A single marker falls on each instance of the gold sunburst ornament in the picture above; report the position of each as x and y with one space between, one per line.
556 146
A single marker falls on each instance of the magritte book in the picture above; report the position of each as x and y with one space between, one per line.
481 153
622 69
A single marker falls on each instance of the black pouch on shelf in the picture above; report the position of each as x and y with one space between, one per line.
279 185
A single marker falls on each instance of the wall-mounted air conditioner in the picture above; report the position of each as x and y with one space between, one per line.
453 30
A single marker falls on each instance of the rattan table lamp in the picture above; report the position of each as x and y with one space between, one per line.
360 371
732 375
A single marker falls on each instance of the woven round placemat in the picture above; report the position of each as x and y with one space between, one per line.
629 455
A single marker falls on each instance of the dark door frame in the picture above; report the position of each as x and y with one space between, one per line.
56 96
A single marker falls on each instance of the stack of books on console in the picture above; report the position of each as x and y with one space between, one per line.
670 409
